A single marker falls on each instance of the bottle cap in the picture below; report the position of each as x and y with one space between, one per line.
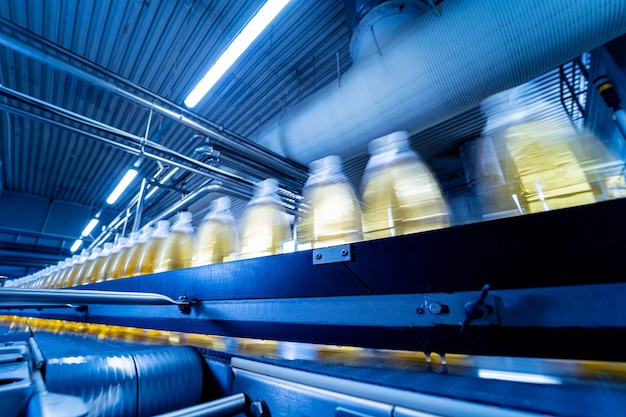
184 222
184 217
326 170
265 192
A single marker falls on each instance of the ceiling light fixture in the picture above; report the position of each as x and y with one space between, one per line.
121 187
76 245
249 33
92 223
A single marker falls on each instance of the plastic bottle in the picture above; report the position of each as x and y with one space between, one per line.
120 265
61 265
131 267
111 264
63 279
217 235
545 165
83 277
265 226
400 194
151 248
91 275
103 273
332 215
177 250
53 273
77 271
44 275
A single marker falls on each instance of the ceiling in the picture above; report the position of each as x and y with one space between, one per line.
57 168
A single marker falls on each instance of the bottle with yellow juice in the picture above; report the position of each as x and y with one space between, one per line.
110 267
100 272
131 266
63 279
265 225
149 250
177 250
91 274
88 266
400 194
331 214
216 238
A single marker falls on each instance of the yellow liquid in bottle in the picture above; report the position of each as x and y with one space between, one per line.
50 278
57 277
264 231
69 282
108 268
334 217
175 252
91 275
118 267
132 260
79 277
146 256
214 243
402 199
63 277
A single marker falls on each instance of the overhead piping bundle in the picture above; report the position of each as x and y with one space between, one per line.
438 65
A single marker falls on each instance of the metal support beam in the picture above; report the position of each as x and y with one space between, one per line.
86 297
168 109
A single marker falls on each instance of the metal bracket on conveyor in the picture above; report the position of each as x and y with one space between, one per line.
477 310
333 254
11 298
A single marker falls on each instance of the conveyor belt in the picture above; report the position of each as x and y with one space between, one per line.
122 379
551 395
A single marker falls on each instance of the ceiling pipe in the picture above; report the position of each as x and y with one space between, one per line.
168 109
136 140
196 195
437 66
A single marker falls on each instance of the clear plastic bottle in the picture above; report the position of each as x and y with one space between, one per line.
78 269
91 275
47 283
87 268
111 264
217 235
176 251
149 251
120 265
103 273
332 215
55 279
63 279
400 194
265 226
131 268
545 165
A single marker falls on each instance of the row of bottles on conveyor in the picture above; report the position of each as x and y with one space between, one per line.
153 250
400 196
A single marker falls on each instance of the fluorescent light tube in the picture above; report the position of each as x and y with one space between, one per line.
518 377
76 245
121 187
92 223
249 33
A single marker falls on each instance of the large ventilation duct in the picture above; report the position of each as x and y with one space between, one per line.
438 65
